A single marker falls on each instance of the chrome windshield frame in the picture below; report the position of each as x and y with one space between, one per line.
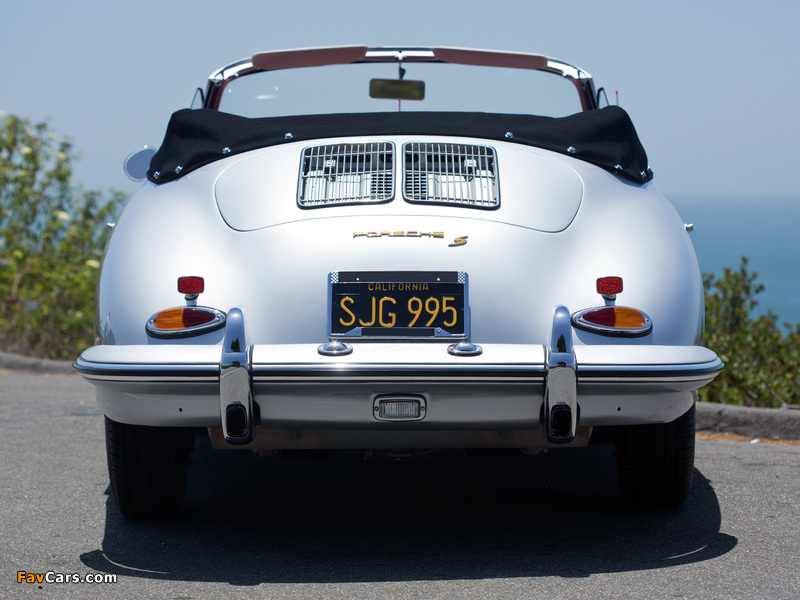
338 55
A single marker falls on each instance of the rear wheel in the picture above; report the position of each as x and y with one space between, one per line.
147 468
656 462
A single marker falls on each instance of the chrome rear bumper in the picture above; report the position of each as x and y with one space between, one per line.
508 387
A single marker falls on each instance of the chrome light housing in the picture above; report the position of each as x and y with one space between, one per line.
613 321
184 321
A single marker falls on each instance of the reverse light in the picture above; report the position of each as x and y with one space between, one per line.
184 321
619 321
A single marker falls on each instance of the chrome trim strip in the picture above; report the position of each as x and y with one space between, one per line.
143 373
209 373
299 375
648 380
418 371
202 375
411 368
649 373
684 369
148 378
396 379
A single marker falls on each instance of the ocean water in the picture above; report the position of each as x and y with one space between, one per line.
767 231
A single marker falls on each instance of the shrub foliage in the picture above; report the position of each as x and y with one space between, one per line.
51 239
760 361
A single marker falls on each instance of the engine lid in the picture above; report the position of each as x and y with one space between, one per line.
511 184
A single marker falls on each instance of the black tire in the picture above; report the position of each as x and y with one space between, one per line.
655 463
147 468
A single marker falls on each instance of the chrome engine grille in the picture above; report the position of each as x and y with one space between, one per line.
346 174
440 173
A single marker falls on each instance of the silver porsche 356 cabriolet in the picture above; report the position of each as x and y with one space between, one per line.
384 248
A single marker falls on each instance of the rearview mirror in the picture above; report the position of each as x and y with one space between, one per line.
396 89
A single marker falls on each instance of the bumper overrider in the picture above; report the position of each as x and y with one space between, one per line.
396 395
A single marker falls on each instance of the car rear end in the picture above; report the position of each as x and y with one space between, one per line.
442 305
385 281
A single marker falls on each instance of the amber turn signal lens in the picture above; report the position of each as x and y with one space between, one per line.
617 317
181 318
169 319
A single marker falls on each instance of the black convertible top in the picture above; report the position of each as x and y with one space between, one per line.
604 137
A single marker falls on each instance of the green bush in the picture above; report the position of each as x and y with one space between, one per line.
760 361
51 242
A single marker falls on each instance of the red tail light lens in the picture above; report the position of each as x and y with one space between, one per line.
609 286
184 321
191 285
602 316
193 317
614 321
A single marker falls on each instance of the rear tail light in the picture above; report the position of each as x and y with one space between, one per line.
191 285
609 286
619 321
182 318
184 321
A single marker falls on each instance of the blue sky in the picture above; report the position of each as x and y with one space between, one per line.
710 85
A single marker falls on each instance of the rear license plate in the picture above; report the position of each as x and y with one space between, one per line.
397 304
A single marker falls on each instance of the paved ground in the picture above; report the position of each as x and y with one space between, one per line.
549 526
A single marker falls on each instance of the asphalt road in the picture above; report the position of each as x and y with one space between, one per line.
548 526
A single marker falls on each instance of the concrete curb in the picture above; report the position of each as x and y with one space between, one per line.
767 423
14 362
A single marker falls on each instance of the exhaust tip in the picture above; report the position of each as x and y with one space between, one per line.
561 421
236 420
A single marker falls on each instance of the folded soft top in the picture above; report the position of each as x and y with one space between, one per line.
604 137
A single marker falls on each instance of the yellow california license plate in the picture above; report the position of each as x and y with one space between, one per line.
397 304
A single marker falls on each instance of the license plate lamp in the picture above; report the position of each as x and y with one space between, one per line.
399 408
